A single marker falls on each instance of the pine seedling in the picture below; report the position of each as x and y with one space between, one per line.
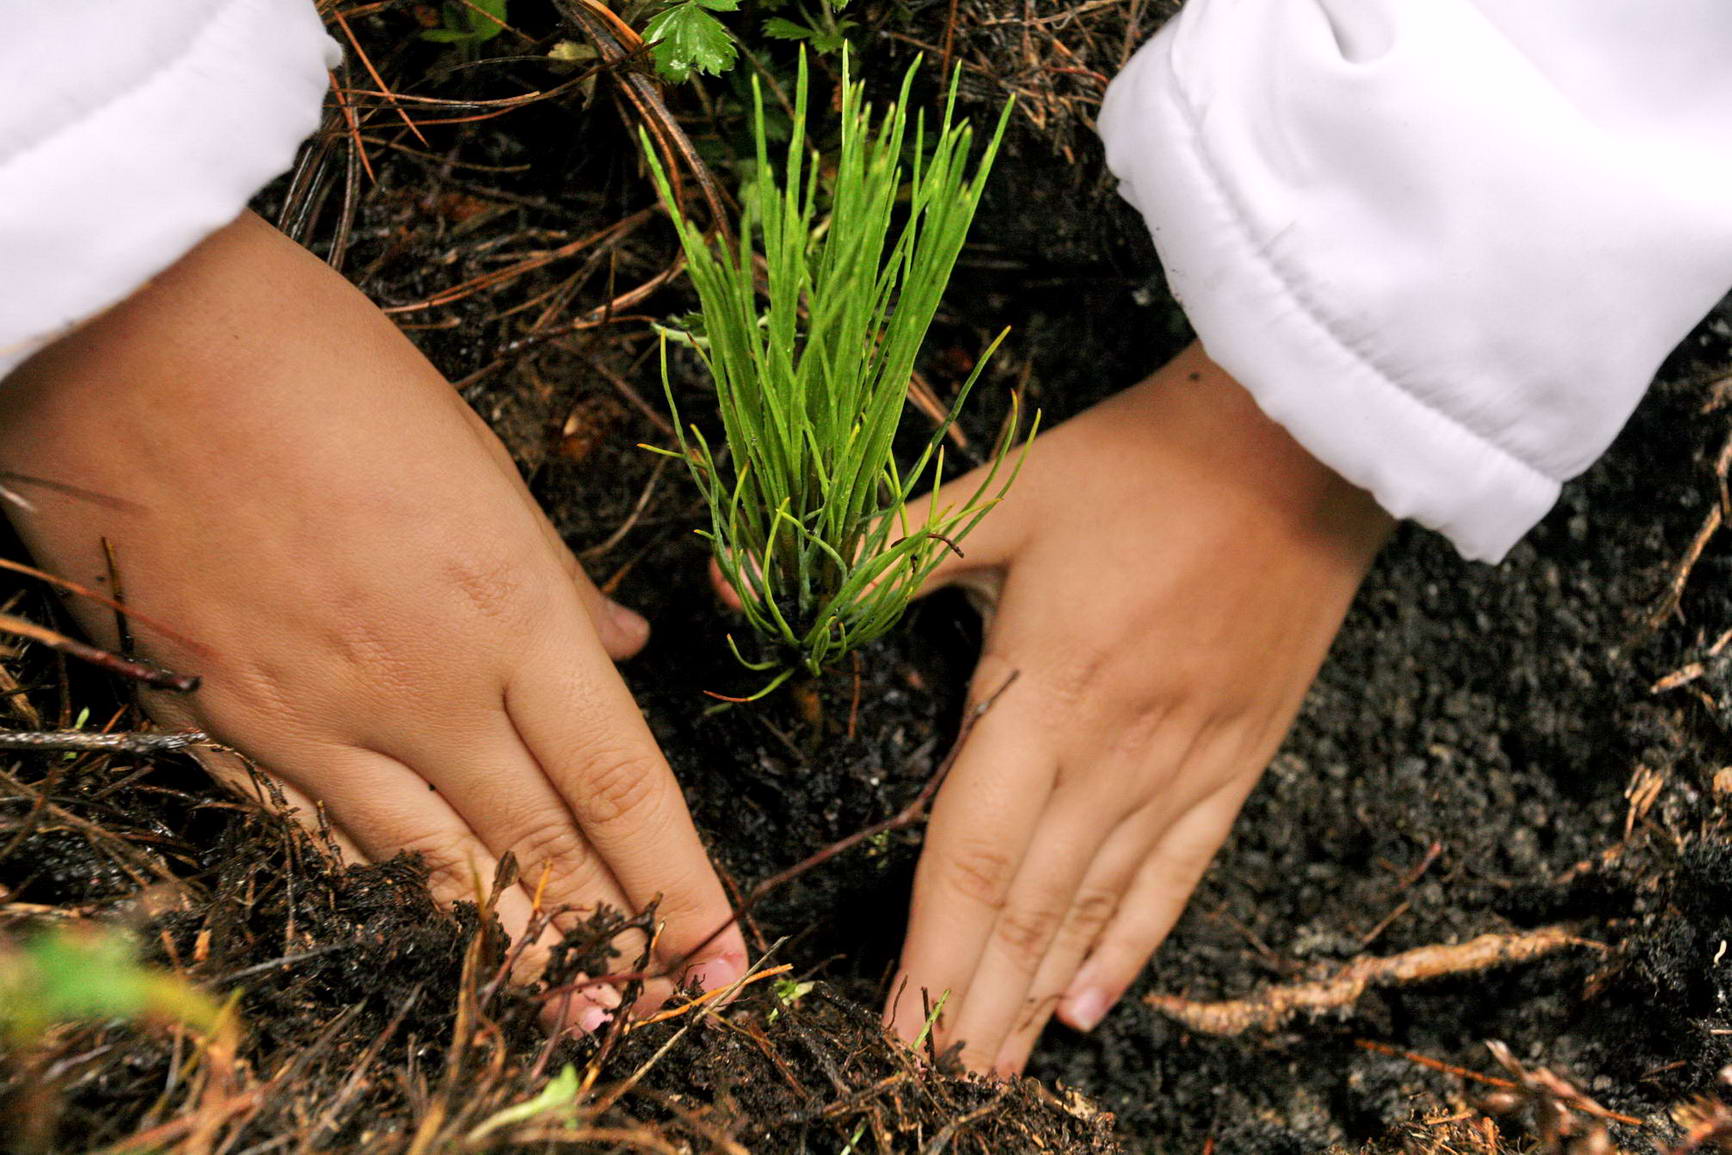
811 323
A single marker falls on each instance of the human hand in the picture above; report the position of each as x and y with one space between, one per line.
386 621
1165 577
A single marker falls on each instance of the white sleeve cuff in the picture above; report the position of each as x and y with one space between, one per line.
165 139
1424 257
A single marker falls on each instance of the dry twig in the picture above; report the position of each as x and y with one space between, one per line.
83 741
152 676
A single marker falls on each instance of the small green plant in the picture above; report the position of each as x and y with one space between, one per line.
76 973
468 22
825 30
558 1099
686 38
810 513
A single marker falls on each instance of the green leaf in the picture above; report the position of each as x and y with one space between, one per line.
784 29
830 43
462 24
559 1097
686 39
82 972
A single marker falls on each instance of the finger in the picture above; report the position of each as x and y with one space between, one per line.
992 542
1184 766
723 588
1092 909
501 793
1068 838
1157 896
273 793
579 722
982 823
623 632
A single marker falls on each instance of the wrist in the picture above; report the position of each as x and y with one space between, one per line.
1199 414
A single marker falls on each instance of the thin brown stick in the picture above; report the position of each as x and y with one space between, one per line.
1433 1064
637 511
104 500
122 627
152 676
354 124
1711 525
367 63
458 292
1273 1007
117 604
80 741
632 396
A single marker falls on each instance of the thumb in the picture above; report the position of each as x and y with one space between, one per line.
976 561
622 632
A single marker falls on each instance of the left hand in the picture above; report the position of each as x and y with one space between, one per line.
1167 575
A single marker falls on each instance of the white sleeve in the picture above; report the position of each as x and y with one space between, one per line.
1446 244
130 131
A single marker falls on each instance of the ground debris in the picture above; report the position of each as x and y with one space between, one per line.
1274 1007
83 741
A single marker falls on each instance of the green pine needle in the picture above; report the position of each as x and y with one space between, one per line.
812 321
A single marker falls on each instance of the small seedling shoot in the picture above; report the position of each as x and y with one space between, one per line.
814 307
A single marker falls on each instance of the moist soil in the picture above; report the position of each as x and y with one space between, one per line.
1485 751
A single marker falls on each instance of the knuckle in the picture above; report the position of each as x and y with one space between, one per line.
380 660
980 872
1090 914
1026 933
490 583
556 847
618 786
454 869
682 904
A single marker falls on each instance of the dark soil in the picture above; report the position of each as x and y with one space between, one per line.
1483 752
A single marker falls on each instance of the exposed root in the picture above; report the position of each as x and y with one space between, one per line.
1670 601
1274 1007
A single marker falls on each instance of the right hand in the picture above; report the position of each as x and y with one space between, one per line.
388 622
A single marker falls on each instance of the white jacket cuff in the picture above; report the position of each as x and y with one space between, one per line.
177 117
1431 243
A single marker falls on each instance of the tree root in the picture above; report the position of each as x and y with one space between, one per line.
1273 1007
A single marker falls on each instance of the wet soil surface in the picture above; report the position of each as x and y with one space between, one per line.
1484 752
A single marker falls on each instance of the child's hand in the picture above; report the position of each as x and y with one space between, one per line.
389 623
1168 573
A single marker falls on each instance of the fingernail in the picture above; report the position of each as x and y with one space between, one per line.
592 1018
718 972
629 623
1085 1010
